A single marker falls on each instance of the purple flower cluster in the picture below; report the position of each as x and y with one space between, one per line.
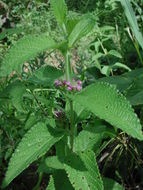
75 86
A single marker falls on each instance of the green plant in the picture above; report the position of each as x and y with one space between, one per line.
74 148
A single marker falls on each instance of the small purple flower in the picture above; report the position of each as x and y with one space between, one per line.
64 82
67 83
78 87
79 82
70 88
58 83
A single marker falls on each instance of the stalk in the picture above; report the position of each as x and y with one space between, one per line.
68 69
68 72
72 126
37 187
138 52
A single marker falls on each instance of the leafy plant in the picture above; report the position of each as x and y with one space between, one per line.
63 108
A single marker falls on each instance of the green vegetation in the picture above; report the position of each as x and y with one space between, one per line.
71 95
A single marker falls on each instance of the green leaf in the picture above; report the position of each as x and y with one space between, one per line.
110 184
34 144
61 180
72 19
88 137
107 103
60 10
115 53
16 94
45 76
71 22
82 28
53 162
51 185
83 171
80 113
24 50
135 92
132 20
121 65
124 81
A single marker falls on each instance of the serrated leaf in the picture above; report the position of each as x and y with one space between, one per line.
31 147
51 185
59 9
82 28
132 20
88 137
45 76
105 102
110 184
83 171
24 50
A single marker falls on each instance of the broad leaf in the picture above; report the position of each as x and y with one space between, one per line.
24 50
16 94
45 76
53 162
105 102
32 147
88 137
60 10
110 184
83 171
132 20
61 180
135 92
51 185
124 81
82 28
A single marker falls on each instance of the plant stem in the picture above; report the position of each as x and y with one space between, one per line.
39 181
68 72
138 52
68 69
72 126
